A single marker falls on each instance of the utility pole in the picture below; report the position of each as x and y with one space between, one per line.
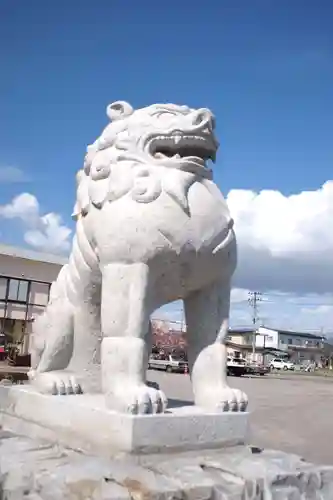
182 321
254 298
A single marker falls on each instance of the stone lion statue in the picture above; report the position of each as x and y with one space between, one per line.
151 228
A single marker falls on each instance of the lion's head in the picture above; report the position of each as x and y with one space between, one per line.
162 135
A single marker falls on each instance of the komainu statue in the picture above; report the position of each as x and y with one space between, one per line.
151 228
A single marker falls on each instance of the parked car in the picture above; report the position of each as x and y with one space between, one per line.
236 366
167 362
281 364
257 369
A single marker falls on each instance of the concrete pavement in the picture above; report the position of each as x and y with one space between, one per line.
292 414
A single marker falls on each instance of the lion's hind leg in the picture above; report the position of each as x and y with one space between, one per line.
48 372
53 341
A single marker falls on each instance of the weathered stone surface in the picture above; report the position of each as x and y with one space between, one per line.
36 470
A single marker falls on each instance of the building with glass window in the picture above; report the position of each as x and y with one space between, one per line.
25 280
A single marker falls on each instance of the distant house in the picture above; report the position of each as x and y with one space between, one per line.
300 347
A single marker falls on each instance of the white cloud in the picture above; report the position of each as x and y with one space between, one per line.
11 175
285 242
43 232
284 225
239 295
24 206
171 312
322 310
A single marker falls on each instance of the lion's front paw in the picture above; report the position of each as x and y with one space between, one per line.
56 383
138 400
232 400
224 399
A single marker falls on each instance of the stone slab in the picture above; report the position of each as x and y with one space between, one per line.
83 422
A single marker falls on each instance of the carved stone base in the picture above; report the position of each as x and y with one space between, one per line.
83 422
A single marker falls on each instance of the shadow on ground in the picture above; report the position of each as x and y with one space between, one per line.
178 403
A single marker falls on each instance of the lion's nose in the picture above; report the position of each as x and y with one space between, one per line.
203 117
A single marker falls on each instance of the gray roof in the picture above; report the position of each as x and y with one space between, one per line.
25 253
308 335
241 330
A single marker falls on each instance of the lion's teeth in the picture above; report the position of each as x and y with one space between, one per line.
159 155
177 156
177 138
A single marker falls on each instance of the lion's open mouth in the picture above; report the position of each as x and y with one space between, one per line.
193 148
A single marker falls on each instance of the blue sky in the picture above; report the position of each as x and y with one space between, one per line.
264 67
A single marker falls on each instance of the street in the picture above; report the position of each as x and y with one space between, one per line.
292 413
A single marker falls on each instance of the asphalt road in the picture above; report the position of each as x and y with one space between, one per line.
291 413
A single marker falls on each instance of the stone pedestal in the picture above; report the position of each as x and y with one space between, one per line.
133 457
83 422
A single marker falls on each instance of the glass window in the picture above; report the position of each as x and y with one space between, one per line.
8 326
39 293
3 287
23 291
290 341
18 290
13 289
176 358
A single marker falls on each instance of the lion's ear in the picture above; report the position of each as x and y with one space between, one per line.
118 110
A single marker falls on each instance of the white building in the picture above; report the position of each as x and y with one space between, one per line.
270 342
284 339
25 280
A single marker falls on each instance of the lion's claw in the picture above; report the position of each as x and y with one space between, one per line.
57 383
140 400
